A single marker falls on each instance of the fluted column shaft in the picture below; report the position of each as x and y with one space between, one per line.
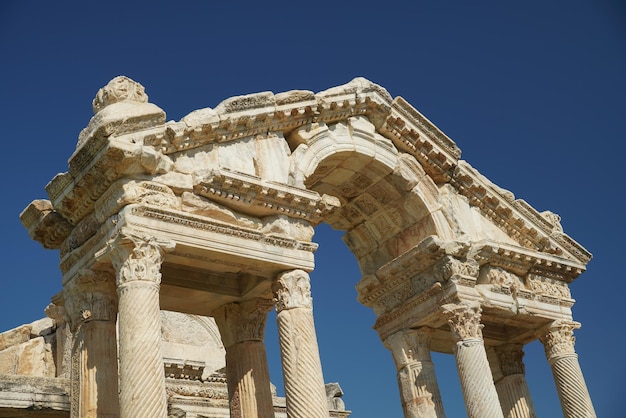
479 391
511 382
302 368
91 309
419 390
558 340
138 261
242 326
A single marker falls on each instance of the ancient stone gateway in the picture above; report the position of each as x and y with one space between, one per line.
213 215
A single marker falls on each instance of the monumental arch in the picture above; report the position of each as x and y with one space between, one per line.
213 216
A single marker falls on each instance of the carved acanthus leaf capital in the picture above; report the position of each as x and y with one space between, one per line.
410 346
558 339
89 296
243 321
138 258
292 289
510 357
464 320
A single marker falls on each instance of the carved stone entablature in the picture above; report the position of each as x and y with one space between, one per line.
44 224
516 217
251 194
196 389
183 369
522 261
499 277
292 289
558 339
541 285
127 191
413 133
242 321
464 320
452 268
90 296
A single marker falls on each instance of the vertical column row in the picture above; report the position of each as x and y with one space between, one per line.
417 381
242 326
302 368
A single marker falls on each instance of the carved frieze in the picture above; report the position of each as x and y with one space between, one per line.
292 289
541 285
453 268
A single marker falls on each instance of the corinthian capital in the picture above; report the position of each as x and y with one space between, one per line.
510 357
138 258
242 321
558 339
292 289
410 346
464 320
90 296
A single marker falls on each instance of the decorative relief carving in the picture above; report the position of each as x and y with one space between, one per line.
181 369
410 346
90 296
195 389
119 89
558 339
242 321
510 357
450 267
44 224
464 320
292 289
541 285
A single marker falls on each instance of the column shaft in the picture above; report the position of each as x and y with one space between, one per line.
558 341
479 391
419 390
511 385
142 377
242 326
302 368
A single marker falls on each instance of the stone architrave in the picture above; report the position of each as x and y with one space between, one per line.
302 368
417 380
479 391
91 308
558 341
242 326
137 261
511 386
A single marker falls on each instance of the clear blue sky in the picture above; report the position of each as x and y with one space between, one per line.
532 92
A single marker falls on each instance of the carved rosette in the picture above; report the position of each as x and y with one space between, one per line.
558 339
291 290
244 321
464 320
510 357
90 296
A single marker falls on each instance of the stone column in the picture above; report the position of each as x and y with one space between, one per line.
138 261
479 391
511 382
558 341
302 368
419 390
91 308
242 326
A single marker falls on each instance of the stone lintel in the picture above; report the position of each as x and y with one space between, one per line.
26 393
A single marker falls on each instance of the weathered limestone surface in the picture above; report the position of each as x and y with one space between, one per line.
209 211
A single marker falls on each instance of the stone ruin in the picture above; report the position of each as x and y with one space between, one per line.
177 238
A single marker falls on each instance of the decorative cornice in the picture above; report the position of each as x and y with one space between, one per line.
44 224
252 194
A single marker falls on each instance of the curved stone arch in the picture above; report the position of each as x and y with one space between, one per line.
388 202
